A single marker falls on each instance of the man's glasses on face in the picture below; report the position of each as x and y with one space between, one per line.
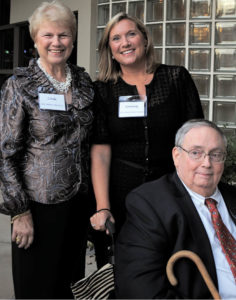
199 155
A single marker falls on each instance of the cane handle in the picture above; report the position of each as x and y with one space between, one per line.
202 269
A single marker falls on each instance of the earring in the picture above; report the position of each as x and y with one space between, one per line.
112 57
35 46
72 46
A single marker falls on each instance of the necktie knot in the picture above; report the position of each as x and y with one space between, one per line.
211 204
210 201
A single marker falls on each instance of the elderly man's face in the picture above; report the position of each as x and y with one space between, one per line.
200 176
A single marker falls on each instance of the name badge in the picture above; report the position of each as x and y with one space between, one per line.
52 102
132 106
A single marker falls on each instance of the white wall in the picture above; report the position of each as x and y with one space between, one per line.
86 55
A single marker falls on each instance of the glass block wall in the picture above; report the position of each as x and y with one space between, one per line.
198 34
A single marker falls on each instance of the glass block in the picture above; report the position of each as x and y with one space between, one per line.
158 55
225 8
199 59
200 34
225 86
225 60
200 8
99 35
176 9
6 49
136 9
205 108
175 57
155 10
103 14
156 32
175 34
103 1
225 33
202 83
118 7
224 113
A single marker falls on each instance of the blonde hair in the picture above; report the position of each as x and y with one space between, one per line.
109 69
54 11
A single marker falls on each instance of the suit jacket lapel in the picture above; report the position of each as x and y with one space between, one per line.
229 194
202 244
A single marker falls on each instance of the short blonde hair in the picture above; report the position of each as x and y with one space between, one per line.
54 11
109 69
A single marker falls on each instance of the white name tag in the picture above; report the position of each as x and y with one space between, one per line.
52 102
132 106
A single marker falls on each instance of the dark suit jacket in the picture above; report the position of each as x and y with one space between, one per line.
161 220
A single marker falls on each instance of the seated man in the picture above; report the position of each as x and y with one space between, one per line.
172 214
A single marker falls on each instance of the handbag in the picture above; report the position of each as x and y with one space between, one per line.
97 285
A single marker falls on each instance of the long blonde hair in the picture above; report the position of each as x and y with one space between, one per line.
109 69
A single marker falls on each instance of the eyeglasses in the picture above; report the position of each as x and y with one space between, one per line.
199 155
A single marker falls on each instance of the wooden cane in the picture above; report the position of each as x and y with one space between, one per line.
202 269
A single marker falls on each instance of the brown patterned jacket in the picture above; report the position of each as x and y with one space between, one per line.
44 155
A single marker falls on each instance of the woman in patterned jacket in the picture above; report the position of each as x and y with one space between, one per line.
45 127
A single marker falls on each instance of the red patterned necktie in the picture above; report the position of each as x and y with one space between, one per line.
227 241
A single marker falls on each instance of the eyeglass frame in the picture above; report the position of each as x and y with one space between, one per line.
204 154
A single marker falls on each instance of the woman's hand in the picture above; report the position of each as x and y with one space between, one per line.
98 220
23 231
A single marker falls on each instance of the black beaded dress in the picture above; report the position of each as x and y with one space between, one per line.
142 146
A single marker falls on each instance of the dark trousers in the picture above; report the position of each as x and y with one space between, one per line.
57 256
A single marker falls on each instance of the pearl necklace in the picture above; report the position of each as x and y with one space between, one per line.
62 87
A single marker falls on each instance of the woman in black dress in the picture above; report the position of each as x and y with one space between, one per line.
139 107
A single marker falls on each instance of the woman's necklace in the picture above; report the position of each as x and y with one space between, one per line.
62 87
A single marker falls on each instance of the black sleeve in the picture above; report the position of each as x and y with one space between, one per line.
190 101
142 252
100 125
